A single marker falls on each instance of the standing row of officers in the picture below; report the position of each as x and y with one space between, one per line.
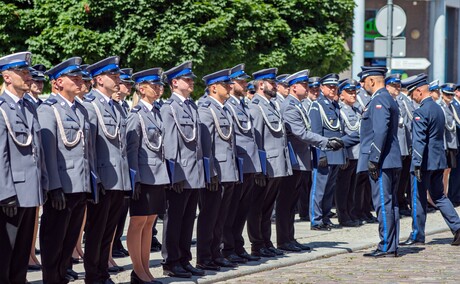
293 143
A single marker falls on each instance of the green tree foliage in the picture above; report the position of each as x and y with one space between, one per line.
215 34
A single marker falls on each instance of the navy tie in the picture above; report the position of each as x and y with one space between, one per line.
111 105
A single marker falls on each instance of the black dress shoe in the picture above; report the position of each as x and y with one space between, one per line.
263 252
223 262
156 245
411 242
34 267
349 223
208 266
109 281
378 253
117 254
195 271
456 241
371 219
72 273
236 259
289 247
331 215
276 251
37 251
249 257
75 260
176 271
333 226
321 227
301 246
113 269
136 280
304 219
125 251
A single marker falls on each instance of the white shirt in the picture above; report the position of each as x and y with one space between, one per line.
107 98
180 97
14 97
148 105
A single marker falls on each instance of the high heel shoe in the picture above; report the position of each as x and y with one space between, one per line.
136 280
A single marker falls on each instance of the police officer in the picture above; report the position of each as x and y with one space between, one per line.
221 171
347 195
275 163
65 131
146 159
380 156
325 121
454 179
282 90
428 162
247 153
450 133
300 138
108 131
126 85
24 176
184 157
36 88
304 197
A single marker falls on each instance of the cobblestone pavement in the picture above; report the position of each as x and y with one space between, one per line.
340 245
435 262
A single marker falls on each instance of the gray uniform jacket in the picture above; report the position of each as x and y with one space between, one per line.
145 145
270 136
298 132
68 165
246 146
450 131
278 100
306 103
351 119
406 110
183 141
108 133
23 170
218 140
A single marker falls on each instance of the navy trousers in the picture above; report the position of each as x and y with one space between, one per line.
322 194
385 199
431 181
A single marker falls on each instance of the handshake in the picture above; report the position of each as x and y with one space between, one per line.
334 143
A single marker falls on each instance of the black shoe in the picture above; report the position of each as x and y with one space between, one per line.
195 271
456 204
371 219
321 227
333 226
289 247
176 271
405 212
249 257
378 253
208 266
117 253
109 281
331 215
34 267
75 260
125 251
72 273
456 241
411 242
193 242
37 251
349 223
263 252
235 258
304 219
136 280
276 251
300 246
156 245
223 262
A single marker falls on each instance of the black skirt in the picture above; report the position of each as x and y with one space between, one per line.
152 201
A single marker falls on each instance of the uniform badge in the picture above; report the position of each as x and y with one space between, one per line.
101 100
62 103
12 106
378 106
417 118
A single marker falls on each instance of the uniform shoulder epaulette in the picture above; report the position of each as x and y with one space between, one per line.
255 101
292 103
168 102
89 98
206 104
2 100
50 101
136 109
